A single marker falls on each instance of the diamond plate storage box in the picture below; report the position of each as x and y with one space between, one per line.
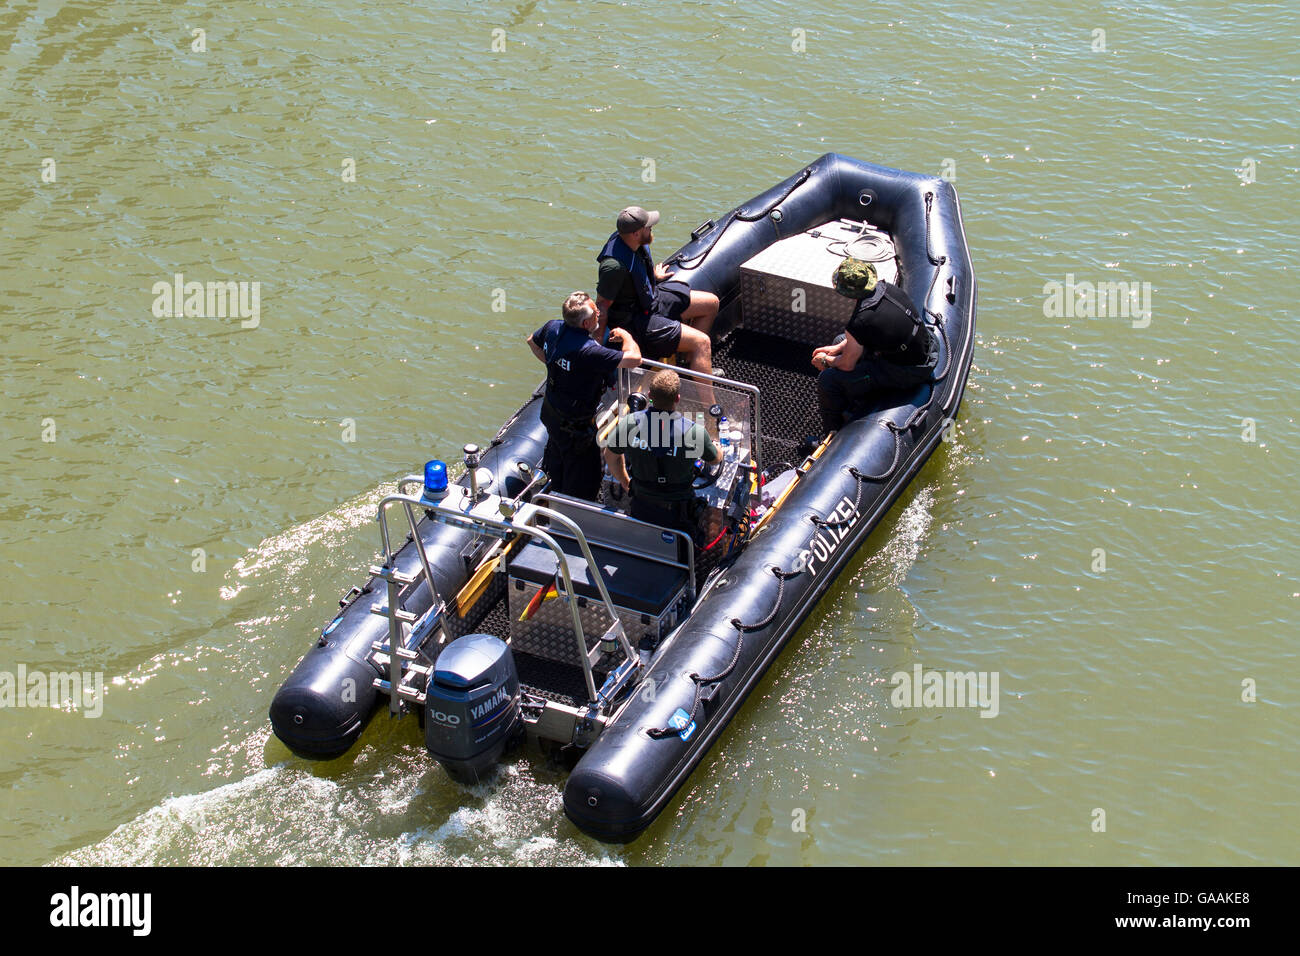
548 634
646 595
797 272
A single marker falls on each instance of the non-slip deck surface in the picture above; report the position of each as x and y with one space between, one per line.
558 682
787 385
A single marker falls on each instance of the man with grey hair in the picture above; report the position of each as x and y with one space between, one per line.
664 315
578 368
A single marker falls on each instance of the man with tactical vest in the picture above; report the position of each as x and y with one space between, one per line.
652 452
886 345
633 293
578 369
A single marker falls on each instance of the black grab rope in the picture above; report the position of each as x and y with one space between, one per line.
737 216
857 500
947 355
661 733
500 435
938 262
913 421
781 578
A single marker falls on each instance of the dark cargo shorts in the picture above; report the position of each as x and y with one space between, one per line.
660 334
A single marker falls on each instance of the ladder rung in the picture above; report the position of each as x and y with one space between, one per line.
405 653
404 692
392 574
404 616
380 657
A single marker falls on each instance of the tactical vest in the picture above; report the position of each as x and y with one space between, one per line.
665 470
637 263
887 326
573 395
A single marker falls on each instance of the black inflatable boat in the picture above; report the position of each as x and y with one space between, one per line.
510 612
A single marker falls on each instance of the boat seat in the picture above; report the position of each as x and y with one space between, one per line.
635 583
647 593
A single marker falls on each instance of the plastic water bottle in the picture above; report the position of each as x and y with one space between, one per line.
724 437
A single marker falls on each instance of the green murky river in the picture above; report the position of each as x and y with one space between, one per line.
1112 530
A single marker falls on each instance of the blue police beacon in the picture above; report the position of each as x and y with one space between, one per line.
435 480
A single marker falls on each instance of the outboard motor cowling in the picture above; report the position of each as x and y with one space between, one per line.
472 706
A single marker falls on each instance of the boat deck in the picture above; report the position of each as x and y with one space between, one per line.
787 383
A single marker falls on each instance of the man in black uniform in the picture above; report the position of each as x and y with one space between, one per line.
578 368
886 345
664 314
653 453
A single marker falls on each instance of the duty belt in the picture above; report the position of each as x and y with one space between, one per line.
566 423
664 493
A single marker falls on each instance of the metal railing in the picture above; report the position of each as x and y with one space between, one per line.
756 429
476 517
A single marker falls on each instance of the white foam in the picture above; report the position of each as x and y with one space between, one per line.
289 816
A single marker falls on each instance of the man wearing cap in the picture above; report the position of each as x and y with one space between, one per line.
886 345
663 314
577 371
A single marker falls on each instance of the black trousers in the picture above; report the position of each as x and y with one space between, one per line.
682 515
840 392
572 457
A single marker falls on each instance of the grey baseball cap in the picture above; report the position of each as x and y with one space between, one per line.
634 217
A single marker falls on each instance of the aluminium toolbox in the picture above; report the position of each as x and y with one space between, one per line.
786 289
648 596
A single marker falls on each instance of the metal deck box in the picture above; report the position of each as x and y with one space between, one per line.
786 289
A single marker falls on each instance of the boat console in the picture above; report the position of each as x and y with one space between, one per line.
729 411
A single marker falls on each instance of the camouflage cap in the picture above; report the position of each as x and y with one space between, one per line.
854 278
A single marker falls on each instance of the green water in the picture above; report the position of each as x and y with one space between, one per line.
477 171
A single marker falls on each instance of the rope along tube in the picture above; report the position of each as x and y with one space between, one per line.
823 523
515 417
737 216
781 577
915 419
938 263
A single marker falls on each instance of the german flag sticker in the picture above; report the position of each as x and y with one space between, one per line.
541 597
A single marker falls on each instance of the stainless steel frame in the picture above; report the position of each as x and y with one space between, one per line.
519 521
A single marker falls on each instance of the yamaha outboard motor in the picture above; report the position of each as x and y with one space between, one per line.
472 706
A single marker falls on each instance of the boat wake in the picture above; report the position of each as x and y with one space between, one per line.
287 554
287 816
895 559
